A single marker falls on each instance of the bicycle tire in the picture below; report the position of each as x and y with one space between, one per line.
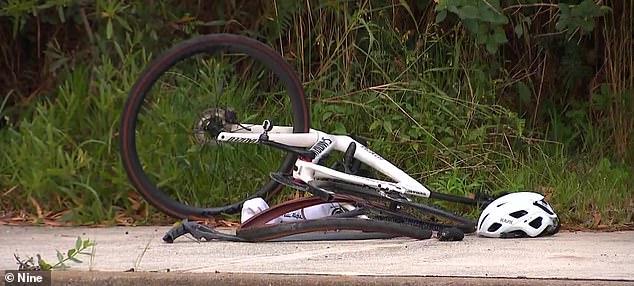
464 224
202 46
274 231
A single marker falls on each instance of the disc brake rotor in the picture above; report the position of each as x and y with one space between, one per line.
211 122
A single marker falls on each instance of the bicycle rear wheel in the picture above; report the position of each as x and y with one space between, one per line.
181 102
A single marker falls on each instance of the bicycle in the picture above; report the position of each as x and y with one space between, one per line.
217 125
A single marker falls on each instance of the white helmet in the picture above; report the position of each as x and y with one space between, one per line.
518 215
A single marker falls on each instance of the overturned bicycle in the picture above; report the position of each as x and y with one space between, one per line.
233 115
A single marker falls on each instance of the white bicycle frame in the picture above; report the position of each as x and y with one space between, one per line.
322 143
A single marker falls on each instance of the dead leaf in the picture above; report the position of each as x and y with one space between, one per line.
38 209
58 215
596 219
49 222
547 192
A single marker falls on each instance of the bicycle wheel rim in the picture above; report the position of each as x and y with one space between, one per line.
210 44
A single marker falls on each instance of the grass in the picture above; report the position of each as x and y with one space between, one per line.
426 99
586 194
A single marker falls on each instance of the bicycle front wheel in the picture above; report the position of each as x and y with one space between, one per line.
183 100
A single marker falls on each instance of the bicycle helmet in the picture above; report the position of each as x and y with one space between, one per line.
518 215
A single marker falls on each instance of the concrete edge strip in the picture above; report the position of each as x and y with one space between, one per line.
172 278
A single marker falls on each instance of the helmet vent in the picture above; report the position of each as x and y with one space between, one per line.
485 218
500 205
494 227
536 223
542 205
518 214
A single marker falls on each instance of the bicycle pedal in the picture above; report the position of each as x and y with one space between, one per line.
450 234
287 180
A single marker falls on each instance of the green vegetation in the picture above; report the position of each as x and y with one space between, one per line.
72 255
467 96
